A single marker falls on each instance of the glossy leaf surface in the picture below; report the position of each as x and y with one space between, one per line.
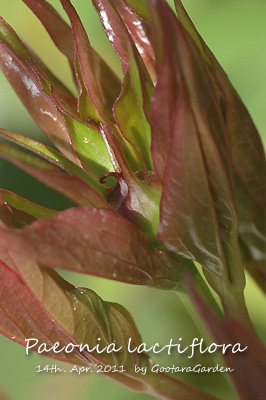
90 146
62 36
18 66
140 32
137 88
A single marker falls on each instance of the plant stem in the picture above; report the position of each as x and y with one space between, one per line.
234 306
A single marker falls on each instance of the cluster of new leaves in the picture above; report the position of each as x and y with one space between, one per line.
189 169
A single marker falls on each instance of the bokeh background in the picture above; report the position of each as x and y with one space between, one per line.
236 32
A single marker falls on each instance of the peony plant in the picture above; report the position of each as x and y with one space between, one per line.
166 169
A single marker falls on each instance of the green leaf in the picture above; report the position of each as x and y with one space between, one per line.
26 206
54 157
139 197
114 16
140 7
135 129
90 146
70 186
11 217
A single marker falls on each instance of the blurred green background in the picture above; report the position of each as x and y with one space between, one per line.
236 31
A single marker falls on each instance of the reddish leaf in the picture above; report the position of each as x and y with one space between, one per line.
111 14
62 36
94 74
28 310
57 28
70 186
97 242
252 226
91 106
140 8
247 149
115 28
139 31
40 304
137 86
18 67
247 156
198 218
163 111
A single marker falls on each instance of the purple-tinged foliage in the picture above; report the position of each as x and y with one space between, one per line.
190 186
